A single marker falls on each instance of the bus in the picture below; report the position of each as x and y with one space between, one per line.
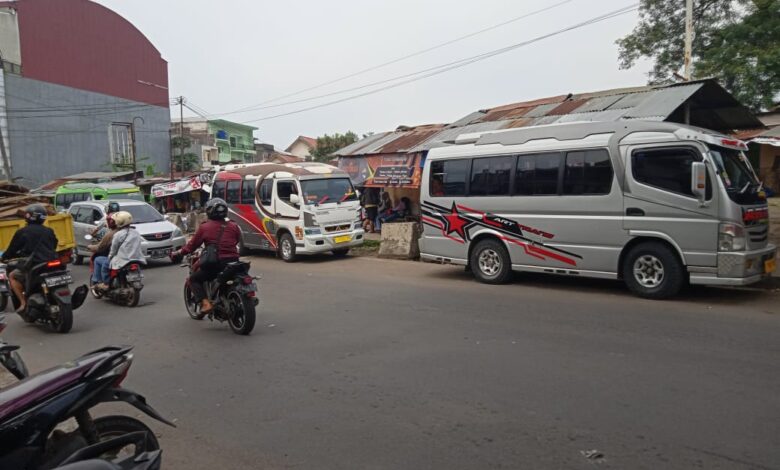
292 208
69 193
654 204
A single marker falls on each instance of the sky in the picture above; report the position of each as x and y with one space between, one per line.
229 55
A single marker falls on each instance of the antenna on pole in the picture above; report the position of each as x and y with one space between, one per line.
688 38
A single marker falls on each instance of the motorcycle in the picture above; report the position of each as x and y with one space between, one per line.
5 288
9 356
49 300
233 294
124 285
93 457
32 410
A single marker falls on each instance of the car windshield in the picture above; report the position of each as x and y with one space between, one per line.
127 196
736 174
323 191
143 213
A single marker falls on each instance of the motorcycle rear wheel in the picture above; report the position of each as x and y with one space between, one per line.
109 427
134 298
190 304
3 302
63 321
241 317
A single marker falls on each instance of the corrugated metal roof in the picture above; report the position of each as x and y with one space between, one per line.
453 132
468 119
599 103
408 140
354 148
541 110
664 101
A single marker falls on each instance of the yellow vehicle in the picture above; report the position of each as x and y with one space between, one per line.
62 224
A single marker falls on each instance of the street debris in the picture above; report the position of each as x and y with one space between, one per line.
592 454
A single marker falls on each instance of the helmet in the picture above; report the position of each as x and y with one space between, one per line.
35 213
110 222
113 206
122 219
216 209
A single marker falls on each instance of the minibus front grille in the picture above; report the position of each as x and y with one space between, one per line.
338 228
758 234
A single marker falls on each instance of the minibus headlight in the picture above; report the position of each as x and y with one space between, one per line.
731 237
358 225
313 231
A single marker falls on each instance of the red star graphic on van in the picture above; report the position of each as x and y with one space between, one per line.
456 223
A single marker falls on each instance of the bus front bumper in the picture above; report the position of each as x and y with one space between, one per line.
739 268
322 243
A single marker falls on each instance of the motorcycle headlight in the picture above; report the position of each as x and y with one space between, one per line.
731 237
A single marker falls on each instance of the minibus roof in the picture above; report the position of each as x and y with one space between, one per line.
301 169
113 186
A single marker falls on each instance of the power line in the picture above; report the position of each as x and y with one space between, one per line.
393 61
456 64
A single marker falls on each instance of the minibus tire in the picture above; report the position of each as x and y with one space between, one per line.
286 240
657 254
496 250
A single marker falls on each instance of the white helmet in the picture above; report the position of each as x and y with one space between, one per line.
122 219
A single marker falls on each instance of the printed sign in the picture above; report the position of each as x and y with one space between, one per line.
381 171
177 187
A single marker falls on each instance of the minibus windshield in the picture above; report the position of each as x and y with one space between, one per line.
328 190
736 174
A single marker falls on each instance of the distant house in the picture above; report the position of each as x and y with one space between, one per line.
218 141
302 146
764 144
277 156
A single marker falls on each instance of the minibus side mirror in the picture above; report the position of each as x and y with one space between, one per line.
699 180
295 199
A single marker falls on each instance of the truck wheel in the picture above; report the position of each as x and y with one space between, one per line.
490 262
652 270
287 248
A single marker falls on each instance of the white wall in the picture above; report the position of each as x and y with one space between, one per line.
9 36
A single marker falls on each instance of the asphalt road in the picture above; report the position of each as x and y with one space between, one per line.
373 364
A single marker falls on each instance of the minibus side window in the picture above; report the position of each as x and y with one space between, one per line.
668 169
537 174
266 188
285 189
219 189
491 176
248 192
448 178
233 194
587 172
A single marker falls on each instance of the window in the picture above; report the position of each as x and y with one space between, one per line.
248 192
266 188
96 215
233 193
587 172
329 190
448 177
284 189
537 174
219 189
665 168
491 176
81 215
233 141
143 213
120 143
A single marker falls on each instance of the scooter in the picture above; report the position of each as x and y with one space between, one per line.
5 288
9 357
49 299
124 285
31 410
93 457
233 294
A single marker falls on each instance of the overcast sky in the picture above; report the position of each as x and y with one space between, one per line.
232 54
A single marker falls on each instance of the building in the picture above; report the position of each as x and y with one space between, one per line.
263 151
764 144
78 82
393 160
302 146
216 141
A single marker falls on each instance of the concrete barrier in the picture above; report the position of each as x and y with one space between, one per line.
399 241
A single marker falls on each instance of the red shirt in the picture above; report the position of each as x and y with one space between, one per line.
208 233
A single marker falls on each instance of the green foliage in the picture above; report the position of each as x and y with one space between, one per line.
735 41
181 143
190 162
327 144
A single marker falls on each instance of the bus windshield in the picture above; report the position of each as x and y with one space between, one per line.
328 190
737 175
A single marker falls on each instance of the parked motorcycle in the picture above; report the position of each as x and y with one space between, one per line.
124 285
94 456
9 357
31 410
49 300
5 288
233 294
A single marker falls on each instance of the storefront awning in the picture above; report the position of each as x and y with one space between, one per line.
384 171
177 187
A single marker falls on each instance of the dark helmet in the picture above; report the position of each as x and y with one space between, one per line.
113 206
216 209
35 213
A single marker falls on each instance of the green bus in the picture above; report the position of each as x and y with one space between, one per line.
76 192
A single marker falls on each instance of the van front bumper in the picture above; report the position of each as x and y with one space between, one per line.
739 268
328 242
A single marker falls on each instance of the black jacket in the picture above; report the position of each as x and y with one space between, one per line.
36 240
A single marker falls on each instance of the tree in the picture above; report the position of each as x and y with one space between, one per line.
183 160
328 144
735 41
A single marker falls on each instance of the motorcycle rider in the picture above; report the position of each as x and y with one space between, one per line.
125 244
101 251
103 228
35 242
209 233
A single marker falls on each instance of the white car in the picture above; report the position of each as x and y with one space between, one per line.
160 237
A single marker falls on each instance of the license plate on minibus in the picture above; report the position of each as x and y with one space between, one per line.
343 239
769 266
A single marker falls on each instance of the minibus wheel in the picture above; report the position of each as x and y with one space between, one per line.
287 248
653 271
490 262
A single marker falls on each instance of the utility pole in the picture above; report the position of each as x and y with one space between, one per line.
181 133
3 151
688 39
135 158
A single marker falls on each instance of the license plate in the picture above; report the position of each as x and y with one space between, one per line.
134 276
162 253
769 266
343 239
58 280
